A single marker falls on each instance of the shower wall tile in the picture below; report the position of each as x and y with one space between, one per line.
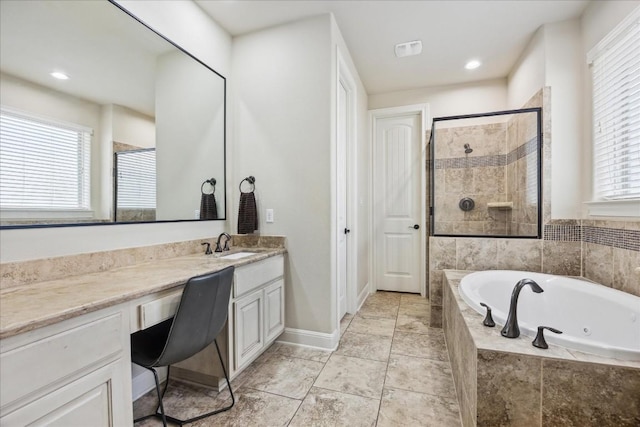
519 254
562 258
435 287
626 270
597 263
442 253
476 254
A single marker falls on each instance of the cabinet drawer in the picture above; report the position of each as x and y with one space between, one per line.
58 357
251 276
159 310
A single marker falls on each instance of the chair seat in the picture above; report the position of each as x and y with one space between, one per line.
147 345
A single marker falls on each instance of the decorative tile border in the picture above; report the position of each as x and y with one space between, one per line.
614 237
493 160
562 232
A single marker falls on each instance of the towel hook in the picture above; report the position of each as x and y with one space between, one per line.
211 182
251 180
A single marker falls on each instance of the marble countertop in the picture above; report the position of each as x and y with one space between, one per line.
28 307
490 338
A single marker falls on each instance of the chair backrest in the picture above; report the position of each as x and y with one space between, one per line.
201 315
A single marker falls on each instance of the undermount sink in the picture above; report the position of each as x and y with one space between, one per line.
238 255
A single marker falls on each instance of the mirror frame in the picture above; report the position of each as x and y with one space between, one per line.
224 142
432 167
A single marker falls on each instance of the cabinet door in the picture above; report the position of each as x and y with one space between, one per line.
249 339
274 310
97 399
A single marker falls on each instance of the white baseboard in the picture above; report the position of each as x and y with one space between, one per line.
363 296
311 339
144 382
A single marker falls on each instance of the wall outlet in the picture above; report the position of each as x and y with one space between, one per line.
196 214
269 215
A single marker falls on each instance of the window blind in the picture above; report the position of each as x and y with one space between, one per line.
615 66
136 179
43 164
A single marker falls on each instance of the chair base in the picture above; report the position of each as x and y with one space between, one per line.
164 417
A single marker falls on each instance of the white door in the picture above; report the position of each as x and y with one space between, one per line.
398 203
342 229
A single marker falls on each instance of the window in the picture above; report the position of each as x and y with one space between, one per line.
136 179
44 164
615 67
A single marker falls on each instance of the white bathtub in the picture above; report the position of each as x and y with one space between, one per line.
593 318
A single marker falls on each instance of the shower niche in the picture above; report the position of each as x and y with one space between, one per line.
485 174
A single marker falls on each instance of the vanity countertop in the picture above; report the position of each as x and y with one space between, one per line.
28 307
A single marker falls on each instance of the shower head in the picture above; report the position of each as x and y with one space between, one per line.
467 149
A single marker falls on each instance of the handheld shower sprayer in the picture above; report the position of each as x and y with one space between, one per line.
467 149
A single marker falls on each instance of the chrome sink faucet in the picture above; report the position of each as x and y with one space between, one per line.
511 329
226 242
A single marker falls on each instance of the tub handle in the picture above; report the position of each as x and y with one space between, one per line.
539 341
488 320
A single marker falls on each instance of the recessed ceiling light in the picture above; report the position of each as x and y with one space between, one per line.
472 65
59 75
408 48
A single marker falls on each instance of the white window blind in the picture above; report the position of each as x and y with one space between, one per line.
136 179
44 165
615 66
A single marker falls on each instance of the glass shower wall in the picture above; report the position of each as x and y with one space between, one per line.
485 174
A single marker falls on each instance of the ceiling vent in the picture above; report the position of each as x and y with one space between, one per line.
409 48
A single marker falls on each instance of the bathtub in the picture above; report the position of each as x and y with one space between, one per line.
593 318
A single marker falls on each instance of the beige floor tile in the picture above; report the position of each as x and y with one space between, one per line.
353 375
429 345
364 324
181 400
286 376
391 297
254 408
406 408
413 299
303 352
365 346
379 309
420 375
324 407
415 309
409 323
345 322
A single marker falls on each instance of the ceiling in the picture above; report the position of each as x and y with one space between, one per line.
452 32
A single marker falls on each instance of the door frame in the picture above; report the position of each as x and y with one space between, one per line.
345 77
384 113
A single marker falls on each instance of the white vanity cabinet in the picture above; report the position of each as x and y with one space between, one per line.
257 308
69 373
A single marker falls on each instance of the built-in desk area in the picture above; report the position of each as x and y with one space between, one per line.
65 346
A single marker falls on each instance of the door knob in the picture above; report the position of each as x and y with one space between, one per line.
415 226
347 231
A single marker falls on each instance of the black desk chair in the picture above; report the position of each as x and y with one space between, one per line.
201 315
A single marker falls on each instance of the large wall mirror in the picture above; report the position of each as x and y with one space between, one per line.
104 120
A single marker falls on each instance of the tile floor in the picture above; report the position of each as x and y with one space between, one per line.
390 369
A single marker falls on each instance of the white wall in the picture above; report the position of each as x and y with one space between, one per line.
133 128
452 100
597 21
190 27
563 66
282 126
527 76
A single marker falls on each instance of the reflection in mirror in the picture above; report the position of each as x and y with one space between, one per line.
103 120
485 174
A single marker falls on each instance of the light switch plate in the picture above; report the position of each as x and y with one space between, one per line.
269 215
